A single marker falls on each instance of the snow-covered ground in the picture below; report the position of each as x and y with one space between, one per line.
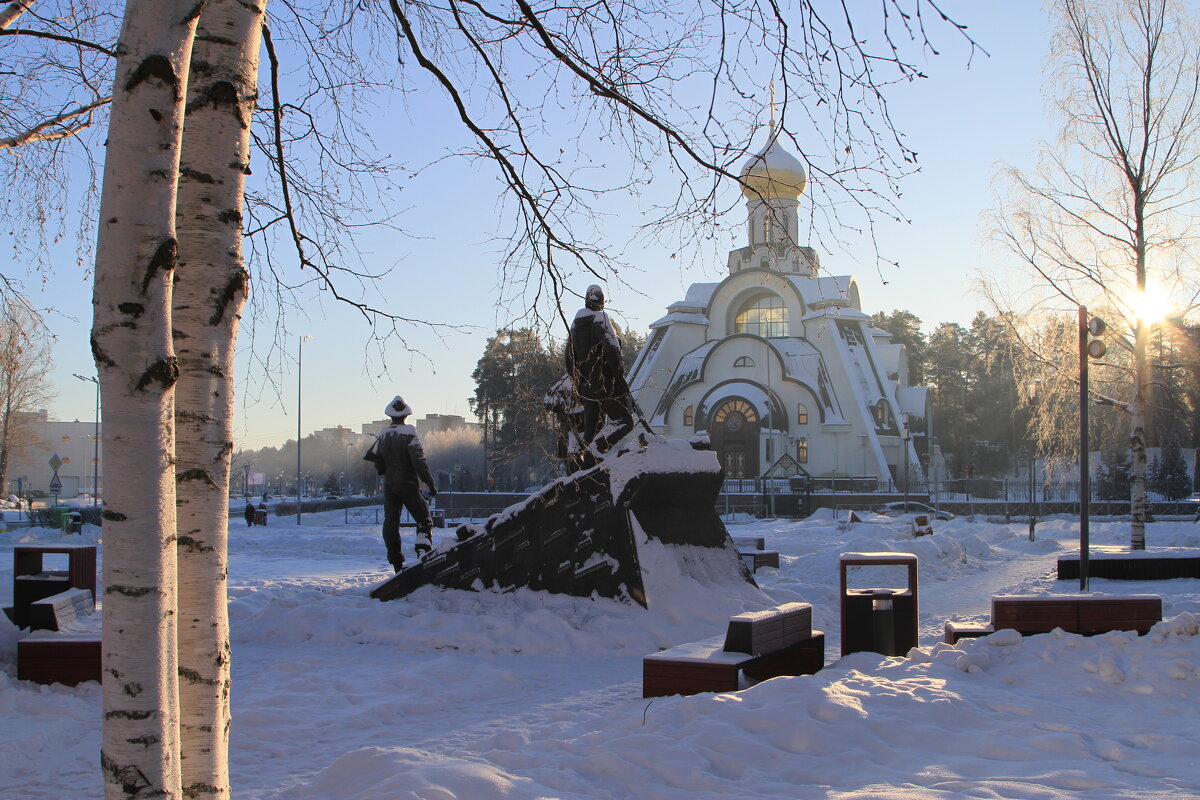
524 695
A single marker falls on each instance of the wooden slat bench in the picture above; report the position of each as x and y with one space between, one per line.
61 611
751 549
761 644
65 644
32 581
1083 614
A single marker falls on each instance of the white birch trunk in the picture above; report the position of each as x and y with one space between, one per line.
210 290
1137 440
131 343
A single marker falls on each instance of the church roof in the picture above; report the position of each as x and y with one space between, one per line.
773 172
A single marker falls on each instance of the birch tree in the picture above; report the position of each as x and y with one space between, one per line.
1103 218
211 283
136 256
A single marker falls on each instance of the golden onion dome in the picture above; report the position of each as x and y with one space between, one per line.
773 172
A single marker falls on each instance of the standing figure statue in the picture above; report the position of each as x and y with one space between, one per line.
400 459
593 356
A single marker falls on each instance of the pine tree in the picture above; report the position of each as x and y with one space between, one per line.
1173 480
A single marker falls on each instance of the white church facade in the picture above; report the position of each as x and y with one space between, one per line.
778 365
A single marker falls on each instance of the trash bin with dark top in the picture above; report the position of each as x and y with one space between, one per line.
879 620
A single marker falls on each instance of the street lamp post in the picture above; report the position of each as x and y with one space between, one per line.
1031 397
904 439
95 441
299 395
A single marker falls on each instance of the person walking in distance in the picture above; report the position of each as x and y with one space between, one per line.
593 356
400 459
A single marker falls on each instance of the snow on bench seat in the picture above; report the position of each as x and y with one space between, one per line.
762 644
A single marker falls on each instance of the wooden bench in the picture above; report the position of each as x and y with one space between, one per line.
32 581
1084 614
61 611
761 644
64 646
753 553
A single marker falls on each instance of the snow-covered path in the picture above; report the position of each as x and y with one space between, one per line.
525 695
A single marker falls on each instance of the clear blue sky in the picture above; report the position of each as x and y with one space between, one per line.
962 121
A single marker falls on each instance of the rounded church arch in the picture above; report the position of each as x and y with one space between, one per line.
733 431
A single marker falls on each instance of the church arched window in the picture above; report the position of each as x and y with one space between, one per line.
744 361
762 315
689 415
801 414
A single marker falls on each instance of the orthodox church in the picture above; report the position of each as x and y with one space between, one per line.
777 364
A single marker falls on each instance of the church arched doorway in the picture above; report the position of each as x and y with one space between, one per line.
733 432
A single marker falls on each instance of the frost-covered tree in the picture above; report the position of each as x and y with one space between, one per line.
1101 220
25 360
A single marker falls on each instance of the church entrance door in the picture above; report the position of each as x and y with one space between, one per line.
734 435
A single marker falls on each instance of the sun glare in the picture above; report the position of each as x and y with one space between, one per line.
1152 306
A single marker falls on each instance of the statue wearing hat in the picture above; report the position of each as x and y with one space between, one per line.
400 459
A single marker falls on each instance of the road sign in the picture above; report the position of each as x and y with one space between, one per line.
55 462
55 482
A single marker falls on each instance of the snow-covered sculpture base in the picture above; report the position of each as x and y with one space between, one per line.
642 518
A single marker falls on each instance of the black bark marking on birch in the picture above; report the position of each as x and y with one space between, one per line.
133 688
221 96
216 370
158 67
129 591
231 215
196 175
193 545
134 310
194 14
242 167
156 114
194 416
208 37
196 474
178 334
235 286
99 356
130 715
201 789
129 778
144 741
165 371
226 449
113 516
164 260
192 676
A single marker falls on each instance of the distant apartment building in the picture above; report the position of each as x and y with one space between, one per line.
431 423
79 451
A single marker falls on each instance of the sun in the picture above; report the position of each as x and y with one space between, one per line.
1151 306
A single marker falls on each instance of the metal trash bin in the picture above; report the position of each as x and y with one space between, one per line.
439 519
72 522
879 620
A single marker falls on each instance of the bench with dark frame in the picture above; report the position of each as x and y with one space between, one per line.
753 552
59 606
1084 614
761 644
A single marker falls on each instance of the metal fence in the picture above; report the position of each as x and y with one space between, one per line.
1011 497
